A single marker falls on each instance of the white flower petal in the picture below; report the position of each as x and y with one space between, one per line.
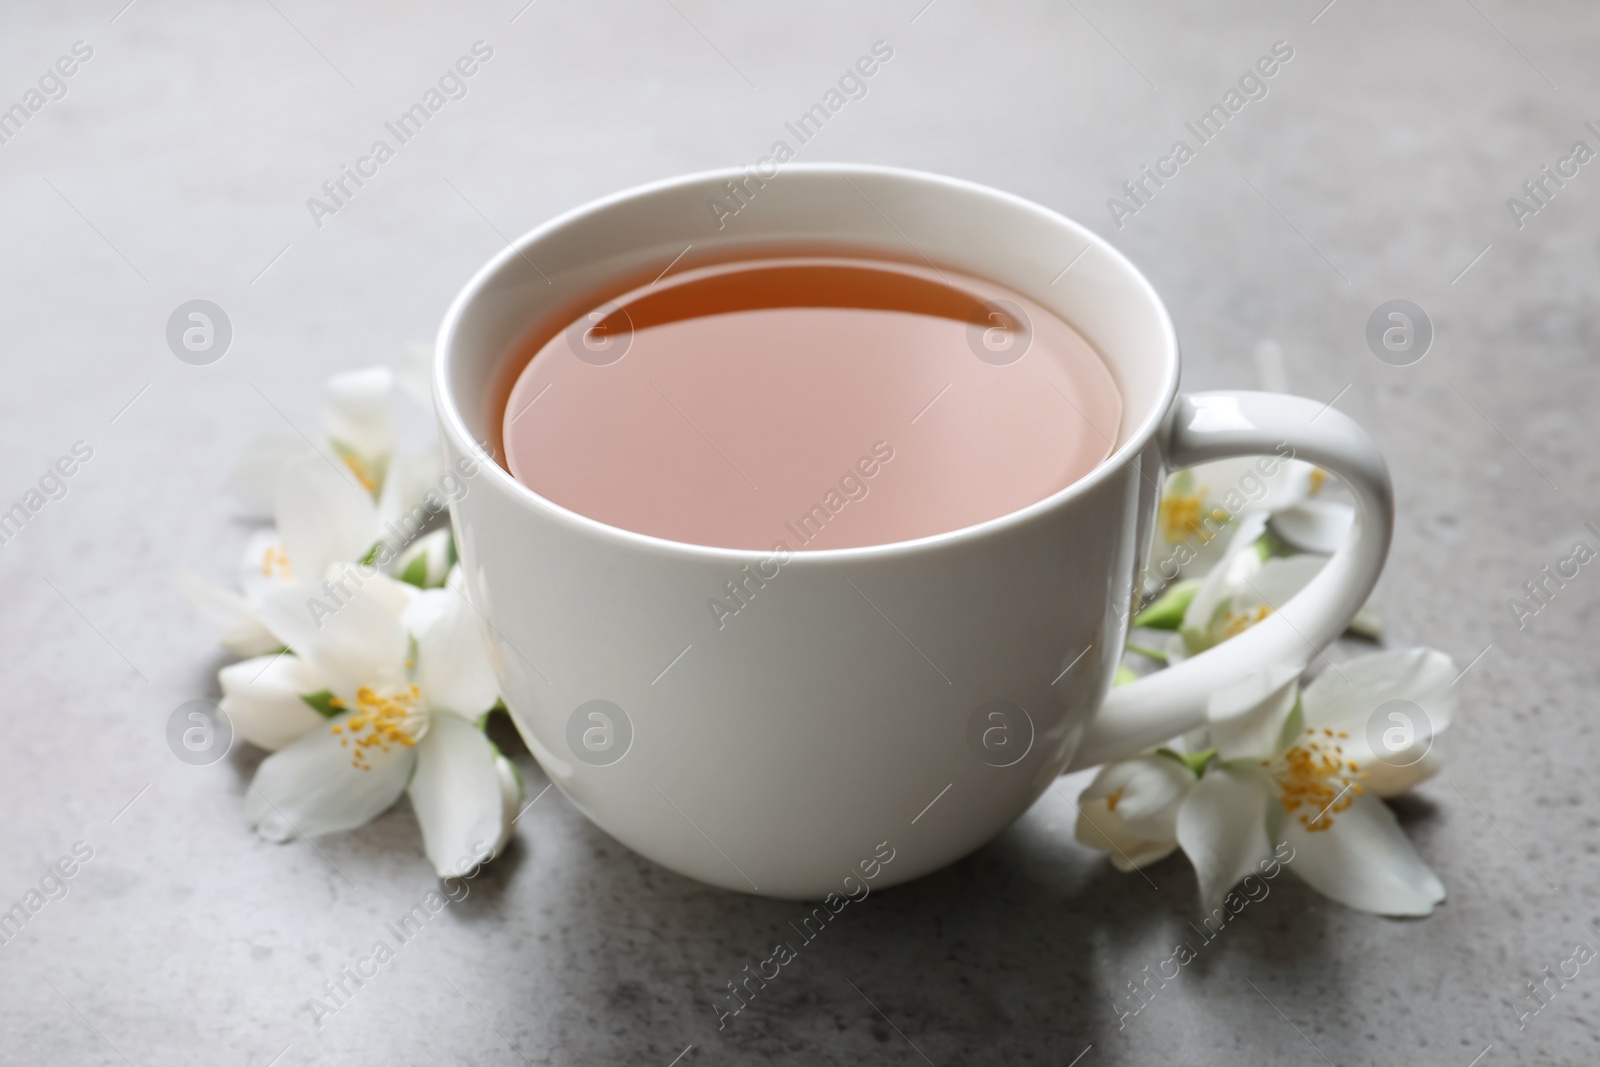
394 595
413 493
249 638
1345 697
1205 559
1222 827
1130 809
312 787
1282 577
358 418
457 794
511 797
1237 485
352 635
1152 789
323 516
416 372
1315 525
261 698
1248 593
254 481
1205 507
264 565
1190 514
1353 699
1141 854
1246 719
453 666
1238 567
1294 484
1213 480
360 409
245 634
1365 861
212 601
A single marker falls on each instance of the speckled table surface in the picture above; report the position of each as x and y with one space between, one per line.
178 164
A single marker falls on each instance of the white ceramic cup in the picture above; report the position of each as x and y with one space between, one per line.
921 694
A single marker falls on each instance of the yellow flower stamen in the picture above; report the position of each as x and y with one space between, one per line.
362 470
1180 517
1184 516
1314 775
1318 476
382 719
275 564
1236 623
1113 800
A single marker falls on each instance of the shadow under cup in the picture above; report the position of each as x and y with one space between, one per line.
906 699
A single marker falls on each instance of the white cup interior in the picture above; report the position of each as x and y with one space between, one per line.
567 265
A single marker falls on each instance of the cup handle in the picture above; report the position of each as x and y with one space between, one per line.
1222 425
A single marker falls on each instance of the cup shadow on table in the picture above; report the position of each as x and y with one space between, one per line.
1028 943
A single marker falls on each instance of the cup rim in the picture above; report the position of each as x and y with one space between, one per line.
447 408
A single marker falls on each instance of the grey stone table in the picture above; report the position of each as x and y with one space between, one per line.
178 165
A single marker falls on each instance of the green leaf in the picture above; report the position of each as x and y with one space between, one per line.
1293 724
1195 761
1148 653
1124 676
416 572
372 554
325 702
1166 613
1269 545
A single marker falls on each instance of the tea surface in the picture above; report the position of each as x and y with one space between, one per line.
814 403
